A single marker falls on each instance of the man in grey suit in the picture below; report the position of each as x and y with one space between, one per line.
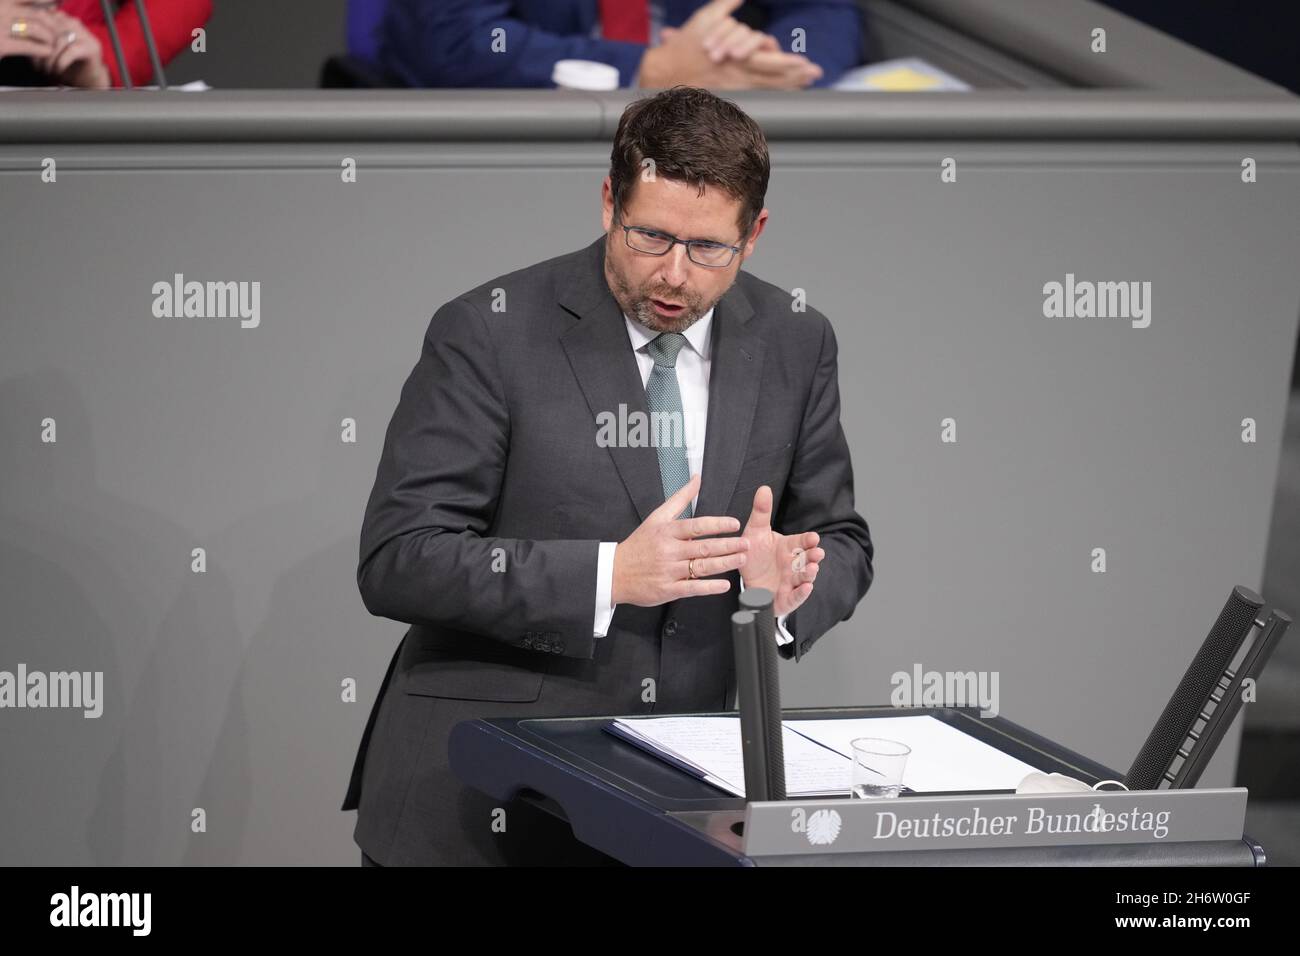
553 556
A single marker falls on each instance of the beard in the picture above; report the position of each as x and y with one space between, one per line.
637 305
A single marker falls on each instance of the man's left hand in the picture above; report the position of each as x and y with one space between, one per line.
785 564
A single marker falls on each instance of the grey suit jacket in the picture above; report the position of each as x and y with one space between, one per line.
492 496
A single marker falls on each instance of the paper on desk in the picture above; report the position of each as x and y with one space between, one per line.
712 746
907 75
942 757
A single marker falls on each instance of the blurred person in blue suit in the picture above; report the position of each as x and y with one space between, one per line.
652 43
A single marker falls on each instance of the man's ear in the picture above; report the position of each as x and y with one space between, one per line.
759 225
606 205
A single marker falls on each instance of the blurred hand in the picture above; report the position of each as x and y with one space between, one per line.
730 39
25 30
77 59
57 44
713 50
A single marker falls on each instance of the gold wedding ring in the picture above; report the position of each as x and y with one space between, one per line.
18 28
690 568
799 562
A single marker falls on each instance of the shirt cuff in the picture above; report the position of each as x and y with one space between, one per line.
604 588
783 636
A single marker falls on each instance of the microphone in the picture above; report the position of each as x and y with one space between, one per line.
122 71
753 631
109 19
1229 702
159 77
1195 693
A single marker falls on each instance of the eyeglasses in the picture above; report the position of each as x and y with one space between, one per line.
703 252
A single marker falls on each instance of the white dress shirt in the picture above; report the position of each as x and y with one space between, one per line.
693 381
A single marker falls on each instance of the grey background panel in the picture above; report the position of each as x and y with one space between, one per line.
223 688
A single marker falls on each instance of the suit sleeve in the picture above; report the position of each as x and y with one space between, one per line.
832 31
427 553
440 43
819 497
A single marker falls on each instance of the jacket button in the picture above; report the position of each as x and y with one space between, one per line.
803 648
670 628
557 648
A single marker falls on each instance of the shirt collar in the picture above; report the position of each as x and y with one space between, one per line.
697 335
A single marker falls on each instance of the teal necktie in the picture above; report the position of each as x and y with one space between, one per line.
663 395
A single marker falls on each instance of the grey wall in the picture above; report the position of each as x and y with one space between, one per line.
223 688
255 44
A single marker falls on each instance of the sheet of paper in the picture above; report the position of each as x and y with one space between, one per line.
942 757
905 75
712 744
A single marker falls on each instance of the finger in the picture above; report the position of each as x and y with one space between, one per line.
38 52
762 81
813 556
739 37
65 53
676 502
70 55
707 18
39 30
706 567
688 528
717 10
740 48
712 547
808 540
720 37
700 588
793 77
760 517
772 63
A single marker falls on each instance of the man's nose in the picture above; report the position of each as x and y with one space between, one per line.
676 266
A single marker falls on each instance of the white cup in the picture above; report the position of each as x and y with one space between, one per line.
584 75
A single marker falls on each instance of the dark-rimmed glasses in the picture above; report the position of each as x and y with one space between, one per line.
703 252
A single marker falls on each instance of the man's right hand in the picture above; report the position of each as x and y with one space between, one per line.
652 565
686 55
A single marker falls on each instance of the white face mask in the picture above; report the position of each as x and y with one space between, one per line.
1059 783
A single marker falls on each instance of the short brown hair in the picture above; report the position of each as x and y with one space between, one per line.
696 137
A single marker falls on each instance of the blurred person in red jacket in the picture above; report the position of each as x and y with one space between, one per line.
68 43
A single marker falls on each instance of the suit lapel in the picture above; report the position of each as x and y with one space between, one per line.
602 360
735 373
